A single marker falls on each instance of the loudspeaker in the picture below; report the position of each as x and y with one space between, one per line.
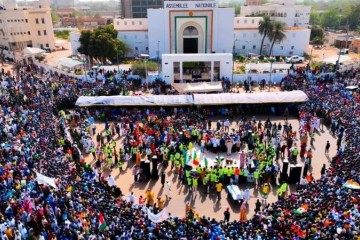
295 173
145 166
154 171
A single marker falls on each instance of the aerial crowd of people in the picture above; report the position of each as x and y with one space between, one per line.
37 147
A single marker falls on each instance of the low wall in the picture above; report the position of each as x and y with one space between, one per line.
275 77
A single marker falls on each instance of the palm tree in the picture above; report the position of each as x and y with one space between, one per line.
265 27
277 35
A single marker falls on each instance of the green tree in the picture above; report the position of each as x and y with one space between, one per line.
277 35
139 68
352 16
331 19
102 42
54 17
64 34
315 18
318 42
85 42
316 32
265 27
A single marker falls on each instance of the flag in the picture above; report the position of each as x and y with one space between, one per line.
304 208
108 61
102 223
195 159
94 60
98 62
206 162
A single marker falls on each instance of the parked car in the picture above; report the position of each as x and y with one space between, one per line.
344 51
295 59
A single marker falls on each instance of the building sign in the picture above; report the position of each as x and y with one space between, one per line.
190 5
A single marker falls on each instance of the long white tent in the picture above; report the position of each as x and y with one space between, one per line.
151 100
195 99
250 98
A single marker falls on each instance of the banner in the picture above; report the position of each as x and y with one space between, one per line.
153 73
160 217
42 179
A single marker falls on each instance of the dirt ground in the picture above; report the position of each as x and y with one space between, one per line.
207 204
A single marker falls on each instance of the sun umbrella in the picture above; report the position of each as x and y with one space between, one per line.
352 185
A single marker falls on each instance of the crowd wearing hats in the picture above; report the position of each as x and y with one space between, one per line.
77 203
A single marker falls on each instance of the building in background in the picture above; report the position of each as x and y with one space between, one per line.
64 3
285 11
22 27
188 33
138 8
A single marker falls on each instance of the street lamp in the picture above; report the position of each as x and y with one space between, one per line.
233 67
271 64
158 51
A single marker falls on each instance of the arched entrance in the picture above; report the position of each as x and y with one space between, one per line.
191 40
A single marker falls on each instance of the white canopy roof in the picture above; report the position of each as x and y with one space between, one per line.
33 51
197 99
250 98
198 87
152 100
68 62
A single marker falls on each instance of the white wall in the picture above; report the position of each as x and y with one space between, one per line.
136 39
275 77
158 30
74 41
223 33
295 43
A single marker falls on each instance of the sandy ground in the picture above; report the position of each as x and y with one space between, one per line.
207 204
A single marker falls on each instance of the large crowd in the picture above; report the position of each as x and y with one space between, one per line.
35 139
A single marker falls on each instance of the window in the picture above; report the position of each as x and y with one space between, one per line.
39 33
28 32
45 33
292 47
26 20
243 47
136 48
190 31
147 49
43 21
254 46
37 21
140 22
41 46
47 45
22 20
282 47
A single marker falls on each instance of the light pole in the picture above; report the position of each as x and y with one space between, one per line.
233 67
271 64
158 50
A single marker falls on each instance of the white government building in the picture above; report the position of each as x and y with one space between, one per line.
22 27
197 39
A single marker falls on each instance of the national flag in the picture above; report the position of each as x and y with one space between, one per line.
94 60
108 61
206 162
304 208
102 223
195 159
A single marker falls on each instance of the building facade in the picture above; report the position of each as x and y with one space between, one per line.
189 32
26 27
138 8
285 11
